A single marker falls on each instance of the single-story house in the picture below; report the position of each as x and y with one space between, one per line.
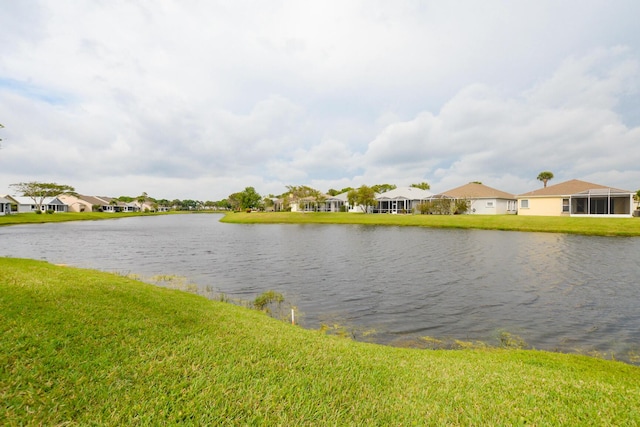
483 199
27 204
147 206
325 203
81 203
577 198
6 204
112 205
401 200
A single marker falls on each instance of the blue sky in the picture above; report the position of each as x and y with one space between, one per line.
199 99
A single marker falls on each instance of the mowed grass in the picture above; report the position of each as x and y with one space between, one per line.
573 225
32 218
80 347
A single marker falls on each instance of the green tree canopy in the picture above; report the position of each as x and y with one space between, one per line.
38 191
422 186
302 191
545 176
382 188
364 197
247 199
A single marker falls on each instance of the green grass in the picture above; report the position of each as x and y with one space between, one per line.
80 347
32 218
588 226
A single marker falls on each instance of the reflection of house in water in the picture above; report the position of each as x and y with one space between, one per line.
577 198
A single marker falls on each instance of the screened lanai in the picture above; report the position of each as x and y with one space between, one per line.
601 201
401 200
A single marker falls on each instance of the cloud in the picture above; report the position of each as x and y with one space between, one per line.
201 99
566 123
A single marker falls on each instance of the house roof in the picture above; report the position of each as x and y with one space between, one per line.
92 200
23 200
409 193
8 198
474 190
80 198
568 188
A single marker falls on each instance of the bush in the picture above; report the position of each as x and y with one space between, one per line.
49 211
38 212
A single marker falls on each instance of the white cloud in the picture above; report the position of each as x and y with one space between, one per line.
565 124
200 99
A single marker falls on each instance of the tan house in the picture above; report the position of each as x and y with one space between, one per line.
483 200
80 203
577 198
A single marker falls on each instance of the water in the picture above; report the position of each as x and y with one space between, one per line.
555 291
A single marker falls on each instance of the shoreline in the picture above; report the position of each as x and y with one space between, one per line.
127 352
620 227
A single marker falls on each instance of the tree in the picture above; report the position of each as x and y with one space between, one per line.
247 199
382 188
545 177
422 186
637 197
364 197
1 128
38 191
141 199
304 194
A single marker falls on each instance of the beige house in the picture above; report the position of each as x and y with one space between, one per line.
79 203
577 198
483 200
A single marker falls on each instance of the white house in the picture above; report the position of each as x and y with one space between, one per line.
484 200
5 205
401 200
27 204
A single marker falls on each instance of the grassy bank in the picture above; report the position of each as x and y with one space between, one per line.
82 347
32 218
588 226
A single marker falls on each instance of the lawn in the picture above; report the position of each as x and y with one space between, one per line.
588 226
80 347
33 218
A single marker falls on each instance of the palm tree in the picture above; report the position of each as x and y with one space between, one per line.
544 177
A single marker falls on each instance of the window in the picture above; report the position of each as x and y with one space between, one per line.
565 205
524 204
489 204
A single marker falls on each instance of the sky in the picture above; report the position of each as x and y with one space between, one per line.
197 100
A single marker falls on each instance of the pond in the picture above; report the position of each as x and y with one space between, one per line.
393 285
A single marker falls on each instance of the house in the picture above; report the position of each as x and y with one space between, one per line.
483 199
401 200
577 198
7 205
81 203
147 205
52 204
112 205
325 203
